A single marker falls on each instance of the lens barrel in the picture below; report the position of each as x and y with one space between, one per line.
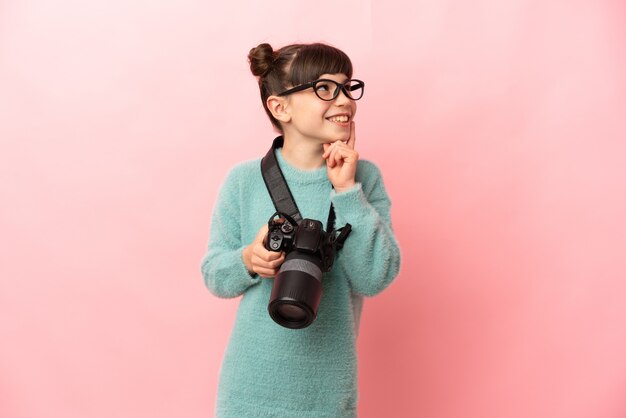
297 291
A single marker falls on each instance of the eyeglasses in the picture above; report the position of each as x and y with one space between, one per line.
328 90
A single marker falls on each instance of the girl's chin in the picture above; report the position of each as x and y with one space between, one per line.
331 140
328 137
343 136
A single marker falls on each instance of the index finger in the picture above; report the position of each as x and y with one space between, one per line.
352 138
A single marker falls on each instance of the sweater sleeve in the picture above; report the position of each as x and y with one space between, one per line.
225 274
370 258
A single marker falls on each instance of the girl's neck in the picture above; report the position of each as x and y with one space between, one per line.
303 154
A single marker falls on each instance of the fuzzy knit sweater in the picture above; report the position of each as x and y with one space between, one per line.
271 371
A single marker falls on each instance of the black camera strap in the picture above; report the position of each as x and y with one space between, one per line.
277 185
282 197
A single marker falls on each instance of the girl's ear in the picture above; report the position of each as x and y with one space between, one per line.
278 107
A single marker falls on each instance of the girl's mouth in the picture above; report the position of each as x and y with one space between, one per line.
340 119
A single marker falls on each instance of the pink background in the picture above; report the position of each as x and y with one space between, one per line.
498 125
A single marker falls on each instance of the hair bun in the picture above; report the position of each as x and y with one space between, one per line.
261 59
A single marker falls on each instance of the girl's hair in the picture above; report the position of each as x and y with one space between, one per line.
293 65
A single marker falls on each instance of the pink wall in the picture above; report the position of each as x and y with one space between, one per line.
499 127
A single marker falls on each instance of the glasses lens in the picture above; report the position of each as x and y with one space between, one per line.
354 89
325 89
328 90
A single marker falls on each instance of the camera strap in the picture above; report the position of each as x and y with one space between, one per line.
281 195
277 185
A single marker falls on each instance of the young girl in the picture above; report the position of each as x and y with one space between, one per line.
269 370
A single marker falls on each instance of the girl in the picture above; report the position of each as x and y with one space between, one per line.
269 370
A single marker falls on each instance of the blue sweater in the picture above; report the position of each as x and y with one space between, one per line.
271 371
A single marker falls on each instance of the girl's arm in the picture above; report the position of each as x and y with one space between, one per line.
224 271
370 258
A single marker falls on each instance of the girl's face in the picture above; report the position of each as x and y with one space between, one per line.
317 120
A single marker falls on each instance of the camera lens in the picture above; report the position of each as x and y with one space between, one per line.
296 291
291 313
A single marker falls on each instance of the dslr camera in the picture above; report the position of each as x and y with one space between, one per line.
309 252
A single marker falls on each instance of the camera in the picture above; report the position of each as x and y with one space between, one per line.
310 252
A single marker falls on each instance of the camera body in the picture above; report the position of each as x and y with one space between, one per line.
310 252
309 238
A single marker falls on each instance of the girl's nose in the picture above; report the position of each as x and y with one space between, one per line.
341 98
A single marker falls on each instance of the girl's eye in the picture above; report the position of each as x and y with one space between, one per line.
322 87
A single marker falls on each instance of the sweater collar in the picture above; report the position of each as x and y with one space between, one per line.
295 175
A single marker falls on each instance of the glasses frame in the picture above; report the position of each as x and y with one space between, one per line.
340 86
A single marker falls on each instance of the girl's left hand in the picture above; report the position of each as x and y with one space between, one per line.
341 161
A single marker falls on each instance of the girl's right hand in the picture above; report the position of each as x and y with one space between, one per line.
259 260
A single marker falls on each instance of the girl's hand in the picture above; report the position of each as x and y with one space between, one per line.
259 260
341 161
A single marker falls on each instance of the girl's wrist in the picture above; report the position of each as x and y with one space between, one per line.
345 188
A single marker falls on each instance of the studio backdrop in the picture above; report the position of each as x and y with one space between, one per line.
498 127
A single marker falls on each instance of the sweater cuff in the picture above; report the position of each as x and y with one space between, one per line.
350 201
252 278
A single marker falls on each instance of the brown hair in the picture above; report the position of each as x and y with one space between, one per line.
293 65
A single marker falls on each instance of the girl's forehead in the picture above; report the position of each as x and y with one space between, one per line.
338 77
